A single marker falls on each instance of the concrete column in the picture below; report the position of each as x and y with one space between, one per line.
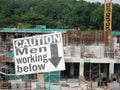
81 69
115 42
111 69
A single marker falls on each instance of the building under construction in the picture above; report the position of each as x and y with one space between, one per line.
87 53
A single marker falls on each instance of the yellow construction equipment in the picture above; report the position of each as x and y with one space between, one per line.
107 19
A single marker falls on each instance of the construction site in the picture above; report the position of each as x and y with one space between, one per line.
92 58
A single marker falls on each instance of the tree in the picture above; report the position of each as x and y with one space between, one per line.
56 13
33 18
97 18
116 17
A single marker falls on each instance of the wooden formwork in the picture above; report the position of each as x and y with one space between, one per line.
72 36
88 37
5 59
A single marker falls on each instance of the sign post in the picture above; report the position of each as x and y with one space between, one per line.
39 54
41 80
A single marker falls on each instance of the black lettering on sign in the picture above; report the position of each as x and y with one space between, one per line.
30 68
38 40
32 58
23 51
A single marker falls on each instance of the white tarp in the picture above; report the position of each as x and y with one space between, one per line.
96 50
72 50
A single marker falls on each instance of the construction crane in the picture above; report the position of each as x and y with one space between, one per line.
107 19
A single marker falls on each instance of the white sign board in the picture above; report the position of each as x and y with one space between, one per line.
41 53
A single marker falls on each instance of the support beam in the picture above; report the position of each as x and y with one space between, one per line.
81 68
111 69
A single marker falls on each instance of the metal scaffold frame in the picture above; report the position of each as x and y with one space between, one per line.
94 71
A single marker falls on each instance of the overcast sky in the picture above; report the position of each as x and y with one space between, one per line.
102 1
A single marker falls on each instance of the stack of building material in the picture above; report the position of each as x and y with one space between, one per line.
55 86
73 83
69 88
64 83
84 84
114 85
15 84
114 77
94 84
34 85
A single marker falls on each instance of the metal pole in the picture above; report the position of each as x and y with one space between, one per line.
41 80
119 81
49 80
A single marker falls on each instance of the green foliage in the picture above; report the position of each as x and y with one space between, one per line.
32 18
27 25
96 18
56 14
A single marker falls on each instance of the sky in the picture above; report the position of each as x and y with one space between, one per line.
102 1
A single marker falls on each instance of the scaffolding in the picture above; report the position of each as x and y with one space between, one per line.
94 71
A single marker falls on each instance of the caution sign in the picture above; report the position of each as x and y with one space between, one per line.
41 53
